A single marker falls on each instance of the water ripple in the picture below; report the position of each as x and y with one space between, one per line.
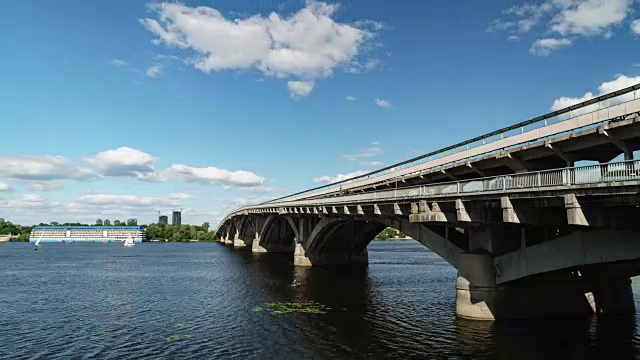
194 301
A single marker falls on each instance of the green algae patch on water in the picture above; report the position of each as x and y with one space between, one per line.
279 308
182 324
177 337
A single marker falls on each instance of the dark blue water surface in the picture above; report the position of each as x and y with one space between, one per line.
205 301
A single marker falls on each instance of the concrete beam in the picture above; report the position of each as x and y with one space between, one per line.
462 215
559 153
376 210
447 174
577 249
359 210
475 169
575 215
334 210
628 154
396 209
346 210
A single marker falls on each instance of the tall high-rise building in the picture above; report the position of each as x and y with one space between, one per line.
163 219
116 223
99 222
106 222
176 218
132 222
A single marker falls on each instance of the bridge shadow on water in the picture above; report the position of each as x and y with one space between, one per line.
370 315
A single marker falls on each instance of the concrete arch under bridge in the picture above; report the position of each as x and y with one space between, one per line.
513 261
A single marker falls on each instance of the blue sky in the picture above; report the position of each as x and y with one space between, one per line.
120 109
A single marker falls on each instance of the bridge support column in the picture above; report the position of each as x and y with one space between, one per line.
299 257
479 298
256 248
237 242
614 298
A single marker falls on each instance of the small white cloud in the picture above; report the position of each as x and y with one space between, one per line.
42 185
300 89
154 71
210 175
620 82
351 98
383 103
46 167
371 163
513 38
123 161
339 177
5 187
368 152
566 19
544 47
126 200
181 196
118 62
262 189
635 27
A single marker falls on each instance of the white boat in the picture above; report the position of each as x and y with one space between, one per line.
37 243
129 242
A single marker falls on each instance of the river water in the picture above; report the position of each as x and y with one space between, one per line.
205 300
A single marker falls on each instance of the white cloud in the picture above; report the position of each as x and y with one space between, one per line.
300 89
351 98
568 20
118 62
635 27
339 177
371 163
589 17
123 161
124 200
263 189
544 47
42 185
154 71
383 103
308 44
46 167
620 82
367 152
5 187
210 175
181 196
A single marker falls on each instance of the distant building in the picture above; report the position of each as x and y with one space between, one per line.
106 222
132 221
163 219
87 233
1 219
99 222
116 223
176 218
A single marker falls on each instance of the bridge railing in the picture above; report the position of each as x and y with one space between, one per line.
574 176
592 105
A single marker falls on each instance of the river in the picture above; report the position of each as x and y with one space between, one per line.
205 300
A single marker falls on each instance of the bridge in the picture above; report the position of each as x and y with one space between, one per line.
539 218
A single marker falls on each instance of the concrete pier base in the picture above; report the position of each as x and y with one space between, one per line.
614 298
256 248
479 298
329 258
299 257
228 242
238 243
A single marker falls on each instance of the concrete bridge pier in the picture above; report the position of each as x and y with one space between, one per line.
478 297
237 242
614 298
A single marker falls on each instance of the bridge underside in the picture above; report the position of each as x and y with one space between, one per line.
558 253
